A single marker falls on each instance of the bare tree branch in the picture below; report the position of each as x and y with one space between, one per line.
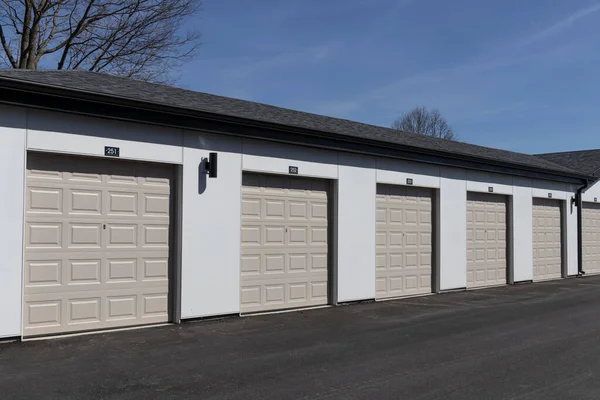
426 122
143 39
7 49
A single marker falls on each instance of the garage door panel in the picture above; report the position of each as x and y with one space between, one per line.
284 264
44 200
43 235
283 293
403 241
104 249
591 238
486 240
547 239
284 259
43 273
122 203
155 205
84 201
84 235
48 313
121 235
154 236
82 272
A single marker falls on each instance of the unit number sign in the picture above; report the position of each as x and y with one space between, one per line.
111 151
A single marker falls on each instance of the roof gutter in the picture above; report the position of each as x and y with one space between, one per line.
29 94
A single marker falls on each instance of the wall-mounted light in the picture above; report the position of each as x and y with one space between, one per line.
210 165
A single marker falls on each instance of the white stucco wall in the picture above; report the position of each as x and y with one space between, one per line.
592 194
12 177
522 220
211 240
211 228
74 134
453 229
356 228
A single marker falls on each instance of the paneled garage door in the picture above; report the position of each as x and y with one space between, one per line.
547 239
96 244
404 232
284 242
591 238
486 240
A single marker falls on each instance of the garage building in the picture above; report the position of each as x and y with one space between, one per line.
128 203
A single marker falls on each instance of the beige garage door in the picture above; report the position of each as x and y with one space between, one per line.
547 239
284 242
591 238
486 240
96 244
404 231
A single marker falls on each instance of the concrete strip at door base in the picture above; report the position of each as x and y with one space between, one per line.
486 240
95 332
96 244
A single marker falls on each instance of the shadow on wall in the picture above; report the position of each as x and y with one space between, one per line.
51 121
202 176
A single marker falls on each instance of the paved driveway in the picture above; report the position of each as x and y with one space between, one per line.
538 341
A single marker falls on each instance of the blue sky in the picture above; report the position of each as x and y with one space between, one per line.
514 74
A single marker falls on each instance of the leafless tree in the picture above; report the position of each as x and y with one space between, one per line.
141 39
426 122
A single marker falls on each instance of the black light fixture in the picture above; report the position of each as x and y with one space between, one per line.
210 165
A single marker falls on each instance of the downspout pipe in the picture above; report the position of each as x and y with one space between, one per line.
579 204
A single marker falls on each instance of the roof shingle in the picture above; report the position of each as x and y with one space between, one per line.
140 91
585 161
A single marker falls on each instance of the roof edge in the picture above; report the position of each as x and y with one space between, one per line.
18 92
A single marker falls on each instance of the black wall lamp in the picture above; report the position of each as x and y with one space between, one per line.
210 165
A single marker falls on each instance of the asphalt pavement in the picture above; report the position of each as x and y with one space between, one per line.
532 341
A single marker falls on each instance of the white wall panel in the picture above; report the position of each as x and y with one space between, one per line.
211 228
356 227
74 134
479 181
592 194
543 189
276 158
570 213
12 181
396 172
522 228
453 229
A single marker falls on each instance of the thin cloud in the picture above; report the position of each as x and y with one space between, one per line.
560 25
387 95
248 67
289 10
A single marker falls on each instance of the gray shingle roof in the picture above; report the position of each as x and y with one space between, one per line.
585 161
103 84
